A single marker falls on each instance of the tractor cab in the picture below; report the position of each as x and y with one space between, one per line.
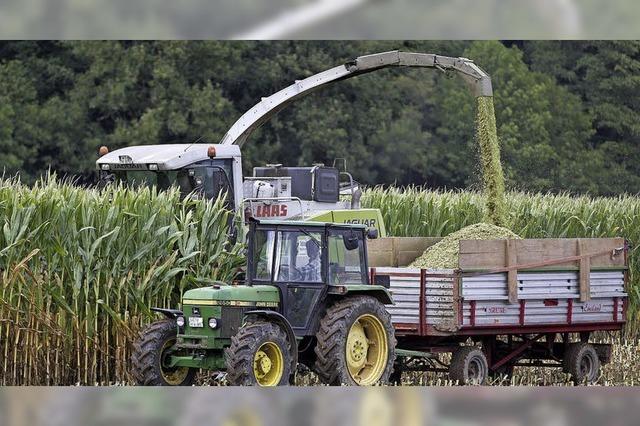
306 261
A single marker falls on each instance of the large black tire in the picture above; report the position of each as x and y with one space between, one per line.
246 356
332 341
469 366
148 352
582 362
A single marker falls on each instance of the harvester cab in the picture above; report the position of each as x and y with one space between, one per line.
306 297
201 170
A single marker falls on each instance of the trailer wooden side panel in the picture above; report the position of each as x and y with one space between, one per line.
397 251
492 254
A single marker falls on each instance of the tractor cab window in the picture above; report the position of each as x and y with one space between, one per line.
299 257
263 244
346 258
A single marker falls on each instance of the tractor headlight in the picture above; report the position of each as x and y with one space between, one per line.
213 323
180 321
105 166
153 167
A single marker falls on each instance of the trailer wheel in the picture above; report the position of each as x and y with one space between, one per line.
582 363
469 366
260 354
149 352
356 343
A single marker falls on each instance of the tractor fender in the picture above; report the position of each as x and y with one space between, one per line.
379 292
169 313
279 319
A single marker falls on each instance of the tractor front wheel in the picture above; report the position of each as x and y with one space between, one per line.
356 343
260 354
150 352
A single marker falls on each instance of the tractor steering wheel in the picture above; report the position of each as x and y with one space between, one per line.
289 273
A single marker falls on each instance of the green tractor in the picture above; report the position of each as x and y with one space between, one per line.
306 299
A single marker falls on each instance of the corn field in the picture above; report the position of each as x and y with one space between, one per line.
80 269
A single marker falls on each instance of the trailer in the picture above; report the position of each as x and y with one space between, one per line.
531 302
332 297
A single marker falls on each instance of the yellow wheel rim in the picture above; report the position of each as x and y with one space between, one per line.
367 350
268 364
173 376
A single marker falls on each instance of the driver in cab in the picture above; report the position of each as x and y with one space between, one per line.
311 271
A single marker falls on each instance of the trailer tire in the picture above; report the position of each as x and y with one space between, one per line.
353 323
582 363
259 355
469 366
148 352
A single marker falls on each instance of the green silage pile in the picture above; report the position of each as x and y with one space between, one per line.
444 254
492 175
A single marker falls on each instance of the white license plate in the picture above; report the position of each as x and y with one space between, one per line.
195 322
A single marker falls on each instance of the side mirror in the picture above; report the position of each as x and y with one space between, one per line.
351 242
372 233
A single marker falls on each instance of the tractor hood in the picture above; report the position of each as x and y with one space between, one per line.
258 295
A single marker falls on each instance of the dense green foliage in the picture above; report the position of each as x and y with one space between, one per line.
566 112
80 269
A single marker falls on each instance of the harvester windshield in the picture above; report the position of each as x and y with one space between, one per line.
207 179
163 180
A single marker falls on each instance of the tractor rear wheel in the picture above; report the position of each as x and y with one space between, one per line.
469 366
150 352
260 354
356 344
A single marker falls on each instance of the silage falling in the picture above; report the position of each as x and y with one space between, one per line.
492 175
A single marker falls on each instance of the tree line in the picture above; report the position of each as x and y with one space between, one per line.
568 113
